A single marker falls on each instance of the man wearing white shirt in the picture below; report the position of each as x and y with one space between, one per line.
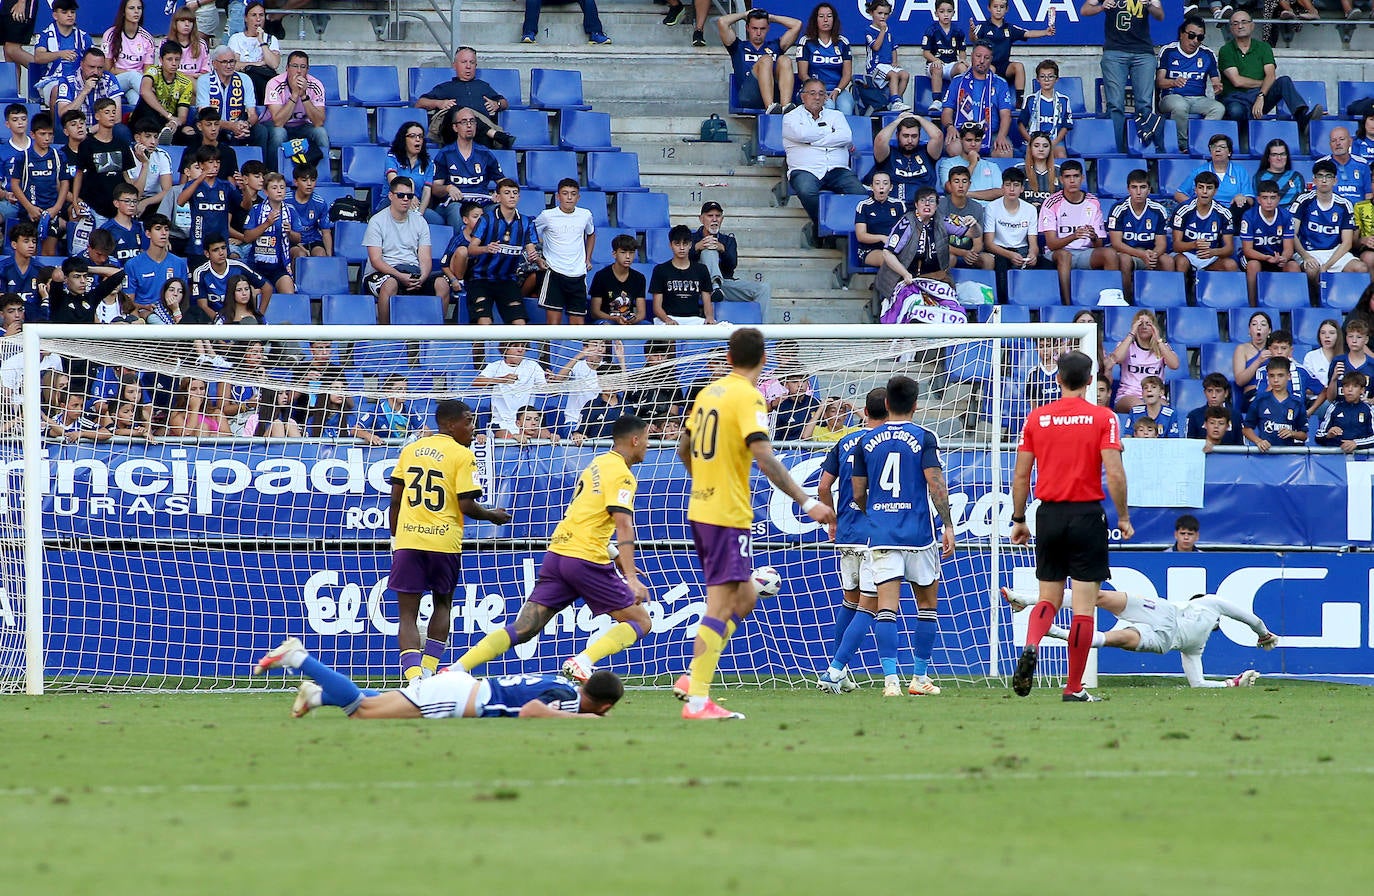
567 236
295 104
818 144
1011 230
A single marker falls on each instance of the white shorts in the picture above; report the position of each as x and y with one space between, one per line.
442 696
1324 255
882 69
1155 619
1199 263
683 321
946 68
856 572
919 566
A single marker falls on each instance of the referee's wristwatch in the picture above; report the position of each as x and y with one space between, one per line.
1018 519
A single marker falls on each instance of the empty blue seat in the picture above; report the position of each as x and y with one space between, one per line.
374 85
319 276
585 131
348 243
1033 289
1222 289
1111 176
1058 314
1192 326
330 192
836 217
1266 129
594 201
1172 175
770 136
1168 141
970 362
505 81
529 127
1201 131
1116 323
348 127
656 246
1184 395
1348 92
328 76
543 170
742 313
1282 291
1238 321
1093 138
9 86
1306 322
642 211
1072 87
1319 134
736 107
1010 314
532 202
1342 291
1160 289
446 356
861 127
602 253
556 88
347 310
509 160
421 311
254 153
439 237
364 166
420 80
614 172
390 120
288 308
1216 357
1085 287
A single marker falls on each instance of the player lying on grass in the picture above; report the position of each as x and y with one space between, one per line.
449 694
575 563
1155 625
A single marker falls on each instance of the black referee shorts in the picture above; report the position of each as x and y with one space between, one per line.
1071 542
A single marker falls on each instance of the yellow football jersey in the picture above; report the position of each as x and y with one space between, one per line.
726 417
606 485
435 473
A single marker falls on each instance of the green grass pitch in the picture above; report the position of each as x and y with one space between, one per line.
1161 790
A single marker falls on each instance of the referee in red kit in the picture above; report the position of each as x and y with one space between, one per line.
1072 441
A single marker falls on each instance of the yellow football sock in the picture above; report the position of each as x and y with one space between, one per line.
616 639
487 649
703 668
429 663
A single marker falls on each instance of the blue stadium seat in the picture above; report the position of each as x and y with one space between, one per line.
330 192
323 173
1342 291
1266 129
374 85
1184 395
1169 141
1172 173
1033 289
555 88
446 356
319 276
390 119
966 275
439 237
529 127
921 93
970 362
1058 314
742 313
1202 130
614 173
1215 357
505 81
543 170
175 153
585 131
251 153
1116 323
736 108
1222 289
1192 326
861 127
1111 176
1072 87
1092 138
1314 92
288 308
420 80
642 211
1160 289
1010 314
348 243
594 201
328 76
347 310
853 263
1306 322
836 217
532 202
602 254
1085 287
423 311
770 136
364 166
509 160
534 313
1238 321
348 127
9 86
1348 92
1282 291
656 246
1319 134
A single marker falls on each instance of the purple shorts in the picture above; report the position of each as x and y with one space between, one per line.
415 572
563 580
726 554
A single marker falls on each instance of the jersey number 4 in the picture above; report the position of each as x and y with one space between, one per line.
890 479
426 487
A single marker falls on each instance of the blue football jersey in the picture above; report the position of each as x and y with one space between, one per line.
1267 415
1320 228
825 61
946 46
849 516
1169 427
893 458
879 217
1196 226
1196 69
1353 418
510 692
1139 231
1266 236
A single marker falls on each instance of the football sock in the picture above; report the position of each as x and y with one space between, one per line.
712 634
734 622
1080 642
1060 633
616 639
885 631
336 688
434 651
853 637
843 617
1041 618
410 664
489 648
923 643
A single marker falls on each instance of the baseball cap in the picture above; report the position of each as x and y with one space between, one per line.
711 206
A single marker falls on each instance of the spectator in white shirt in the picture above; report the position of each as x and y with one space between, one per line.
818 144
513 380
567 236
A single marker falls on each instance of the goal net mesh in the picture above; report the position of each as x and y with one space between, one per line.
204 499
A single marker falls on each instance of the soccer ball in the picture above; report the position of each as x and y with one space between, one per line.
767 581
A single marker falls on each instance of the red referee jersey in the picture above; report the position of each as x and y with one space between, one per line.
1067 438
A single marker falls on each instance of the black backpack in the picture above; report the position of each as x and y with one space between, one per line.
348 208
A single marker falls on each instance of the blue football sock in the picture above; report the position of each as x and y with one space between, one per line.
843 616
923 643
337 688
885 630
853 637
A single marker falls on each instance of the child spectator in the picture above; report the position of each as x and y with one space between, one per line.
146 272
331 416
76 301
252 181
58 51
1355 357
1203 230
208 199
167 309
1277 417
681 288
1104 390
1009 230
1301 383
1346 423
129 423
1145 428
1324 228
40 183
311 215
1217 428
1042 381
130 236
1186 529
71 423
1047 111
1152 406
581 374
239 402
999 34
529 425
661 403
455 258
165 95
943 47
271 228
391 417
883 70
618 291
19 272
274 415
798 412
598 416
103 162
1266 237
240 302
567 236
210 281
1074 231
1143 353
193 414
834 420
513 379
153 177
1318 361
1216 390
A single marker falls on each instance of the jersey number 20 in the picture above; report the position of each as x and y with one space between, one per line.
705 429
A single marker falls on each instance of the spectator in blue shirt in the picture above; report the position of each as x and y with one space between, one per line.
311 214
1186 67
1278 417
824 54
763 70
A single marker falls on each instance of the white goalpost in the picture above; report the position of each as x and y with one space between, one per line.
170 558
